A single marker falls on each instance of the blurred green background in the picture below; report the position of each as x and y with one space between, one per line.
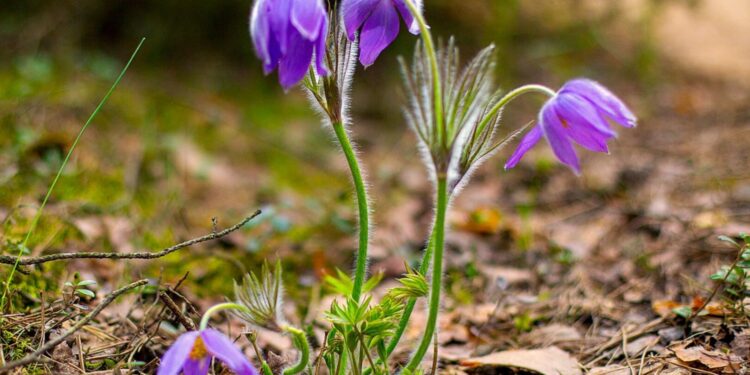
196 131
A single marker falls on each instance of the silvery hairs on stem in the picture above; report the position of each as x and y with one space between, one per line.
331 94
263 296
470 124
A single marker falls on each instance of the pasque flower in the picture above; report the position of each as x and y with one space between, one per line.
191 354
287 35
378 23
580 113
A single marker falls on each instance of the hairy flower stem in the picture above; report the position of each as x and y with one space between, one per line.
437 274
363 206
509 97
220 307
437 87
300 342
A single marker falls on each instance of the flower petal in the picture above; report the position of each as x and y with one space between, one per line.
354 13
174 359
378 32
224 349
321 49
603 99
578 127
307 17
557 138
200 367
279 20
581 111
409 19
295 64
528 141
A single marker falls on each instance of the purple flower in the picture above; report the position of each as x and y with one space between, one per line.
379 23
287 34
191 354
579 112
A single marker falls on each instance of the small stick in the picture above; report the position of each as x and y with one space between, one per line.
42 324
172 306
80 353
5 259
718 285
83 322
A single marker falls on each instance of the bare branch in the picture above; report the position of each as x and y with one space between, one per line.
83 322
4 259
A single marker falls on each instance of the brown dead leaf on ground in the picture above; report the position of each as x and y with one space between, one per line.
726 363
547 361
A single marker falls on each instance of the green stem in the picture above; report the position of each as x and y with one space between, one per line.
437 87
300 342
363 206
509 97
38 215
437 274
220 307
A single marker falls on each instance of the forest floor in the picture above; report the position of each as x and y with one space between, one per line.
608 273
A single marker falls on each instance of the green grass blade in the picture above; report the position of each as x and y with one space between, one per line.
38 215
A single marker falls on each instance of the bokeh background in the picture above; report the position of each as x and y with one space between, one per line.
196 131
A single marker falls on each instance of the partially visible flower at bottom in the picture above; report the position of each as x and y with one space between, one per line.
193 351
579 112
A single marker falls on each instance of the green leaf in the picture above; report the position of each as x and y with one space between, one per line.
683 311
85 293
86 283
729 240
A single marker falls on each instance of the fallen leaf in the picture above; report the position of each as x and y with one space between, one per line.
547 361
552 334
483 220
714 360
664 308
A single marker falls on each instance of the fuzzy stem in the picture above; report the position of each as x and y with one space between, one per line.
363 206
437 87
509 97
300 341
216 308
437 274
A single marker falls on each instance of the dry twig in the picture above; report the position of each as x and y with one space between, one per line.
83 322
139 255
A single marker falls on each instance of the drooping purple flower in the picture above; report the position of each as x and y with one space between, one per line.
580 113
191 354
287 34
379 23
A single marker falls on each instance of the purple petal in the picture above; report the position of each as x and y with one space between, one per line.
354 13
200 367
379 31
409 19
295 64
224 349
580 111
528 141
260 29
174 359
603 99
321 48
266 44
578 132
279 13
307 17
558 138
